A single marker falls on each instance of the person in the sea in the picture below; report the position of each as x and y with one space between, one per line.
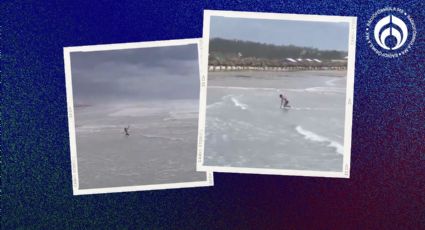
126 129
284 102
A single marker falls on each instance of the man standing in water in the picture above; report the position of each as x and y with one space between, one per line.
126 131
284 103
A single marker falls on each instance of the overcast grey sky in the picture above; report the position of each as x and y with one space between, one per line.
320 35
135 75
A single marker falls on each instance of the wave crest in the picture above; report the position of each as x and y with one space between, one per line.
308 135
325 90
239 104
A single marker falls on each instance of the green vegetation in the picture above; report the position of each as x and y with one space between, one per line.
244 55
260 50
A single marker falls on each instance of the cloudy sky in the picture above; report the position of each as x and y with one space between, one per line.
320 35
135 75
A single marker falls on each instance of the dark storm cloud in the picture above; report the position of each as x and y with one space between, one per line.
135 74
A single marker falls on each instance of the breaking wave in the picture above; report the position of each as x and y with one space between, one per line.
278 90
215 104
311 109
161 137
137 112
255 88
95 128
331 82
177 115
239 104
325 90
308 135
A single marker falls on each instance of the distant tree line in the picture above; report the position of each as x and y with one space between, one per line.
244 55
227 47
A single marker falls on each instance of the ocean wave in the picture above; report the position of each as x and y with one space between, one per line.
152 108
325 90
137 112
331 82
178 115
215 104
95 128
162 137
238 103
309 108
241 88
279 90
255 88
308 135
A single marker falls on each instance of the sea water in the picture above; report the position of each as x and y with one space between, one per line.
245 126
161 147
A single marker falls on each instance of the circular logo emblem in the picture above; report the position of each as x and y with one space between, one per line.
390 32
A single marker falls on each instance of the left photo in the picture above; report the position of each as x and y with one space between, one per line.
133 116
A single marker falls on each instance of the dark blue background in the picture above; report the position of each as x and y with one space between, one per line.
387 184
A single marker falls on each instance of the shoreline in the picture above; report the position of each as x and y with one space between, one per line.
329 73
273 69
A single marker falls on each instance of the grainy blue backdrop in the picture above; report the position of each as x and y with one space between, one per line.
387 184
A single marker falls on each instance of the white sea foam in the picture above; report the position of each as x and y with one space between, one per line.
278 90
137 112
154 108
215 104
311 109
331 82
239 104
308 135
162 137
176 115
241 88
325 90
95 128
255 88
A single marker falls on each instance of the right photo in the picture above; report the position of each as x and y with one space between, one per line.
278 95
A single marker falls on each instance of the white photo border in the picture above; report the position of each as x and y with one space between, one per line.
71 119
345 173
